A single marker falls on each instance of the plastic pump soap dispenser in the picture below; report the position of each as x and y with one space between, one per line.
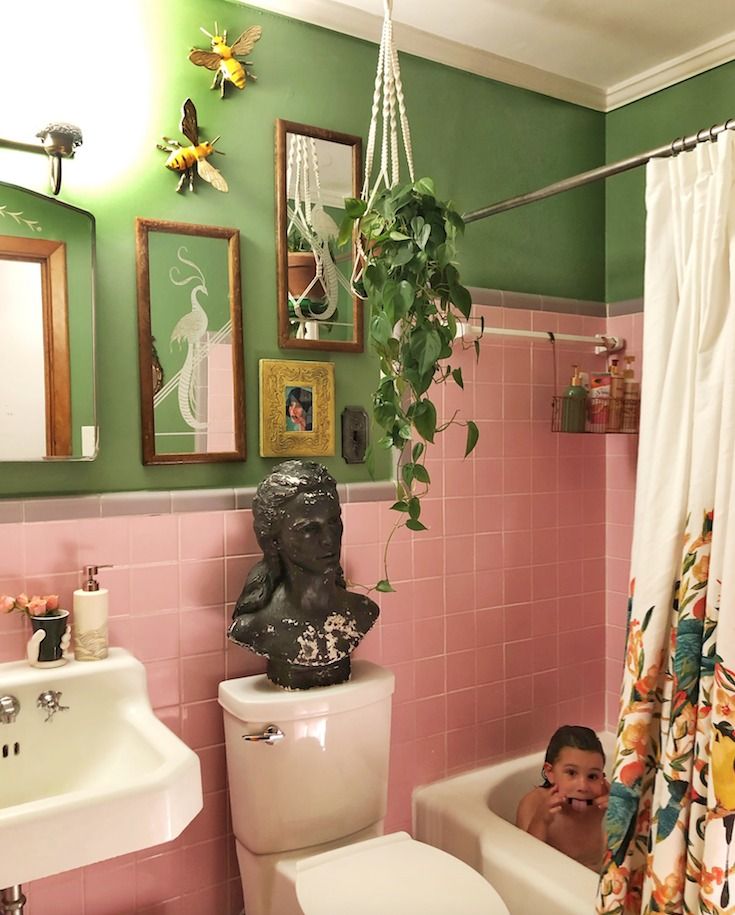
89 622
574 404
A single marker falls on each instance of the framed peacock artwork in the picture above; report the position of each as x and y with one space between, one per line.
190 343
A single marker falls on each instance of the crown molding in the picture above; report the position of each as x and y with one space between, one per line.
348 20
701 59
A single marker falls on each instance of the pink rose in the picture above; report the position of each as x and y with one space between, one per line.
6 603
52 602
21 601
36 606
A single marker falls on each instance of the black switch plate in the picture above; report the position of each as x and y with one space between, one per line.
354 435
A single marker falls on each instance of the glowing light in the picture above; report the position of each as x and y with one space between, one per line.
77 78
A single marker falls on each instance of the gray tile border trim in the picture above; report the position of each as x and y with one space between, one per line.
118 504
626 307
533 302
62 508
482 296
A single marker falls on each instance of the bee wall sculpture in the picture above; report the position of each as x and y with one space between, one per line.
187 159
223 58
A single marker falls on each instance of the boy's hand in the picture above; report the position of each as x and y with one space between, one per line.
601 801
552 804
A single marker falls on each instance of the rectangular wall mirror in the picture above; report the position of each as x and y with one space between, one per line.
315 170
190 343
47 373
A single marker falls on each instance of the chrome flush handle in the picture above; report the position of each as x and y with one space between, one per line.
271 735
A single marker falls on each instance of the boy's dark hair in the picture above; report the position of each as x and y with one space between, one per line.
575 736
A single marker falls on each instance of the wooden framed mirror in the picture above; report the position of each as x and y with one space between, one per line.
190 343
47 374
315 170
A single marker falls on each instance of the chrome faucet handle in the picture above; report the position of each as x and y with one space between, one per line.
270 736
49 702
9 708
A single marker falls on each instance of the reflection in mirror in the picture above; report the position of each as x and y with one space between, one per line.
190 343
47 390
315 170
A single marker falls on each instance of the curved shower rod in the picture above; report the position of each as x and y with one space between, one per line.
680 144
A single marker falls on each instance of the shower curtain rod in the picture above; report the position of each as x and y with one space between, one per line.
681 144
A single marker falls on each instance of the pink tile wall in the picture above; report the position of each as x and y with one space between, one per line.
496 632
622 455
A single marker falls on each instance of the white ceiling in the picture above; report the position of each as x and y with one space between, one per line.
597 53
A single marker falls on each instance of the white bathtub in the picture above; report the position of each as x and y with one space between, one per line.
472 817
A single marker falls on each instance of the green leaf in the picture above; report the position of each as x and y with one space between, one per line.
421 474
399 236
407 472
384 586
477 350
426 186
403 255
401 506
405 299
430 351
414 508
457 375
414 525
380 328
418 450
345 232
424 419
354 208
424 237
461 298
473 434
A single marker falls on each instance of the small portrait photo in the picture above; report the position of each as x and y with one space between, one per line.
299 413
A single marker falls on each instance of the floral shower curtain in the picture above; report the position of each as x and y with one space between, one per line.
672 803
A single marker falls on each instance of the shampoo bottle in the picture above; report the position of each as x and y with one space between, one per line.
89 622
615 412
574 404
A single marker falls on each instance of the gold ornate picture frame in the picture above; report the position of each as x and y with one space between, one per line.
296 408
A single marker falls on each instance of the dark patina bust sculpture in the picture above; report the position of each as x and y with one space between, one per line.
295 608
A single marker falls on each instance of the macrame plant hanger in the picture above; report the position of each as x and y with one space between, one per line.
308 217
392 117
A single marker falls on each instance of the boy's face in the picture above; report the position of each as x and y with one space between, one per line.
578 774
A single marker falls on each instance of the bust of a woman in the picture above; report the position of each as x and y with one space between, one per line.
295 609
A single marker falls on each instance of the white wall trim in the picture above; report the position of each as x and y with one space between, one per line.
367 26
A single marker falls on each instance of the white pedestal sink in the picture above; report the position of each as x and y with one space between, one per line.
102 779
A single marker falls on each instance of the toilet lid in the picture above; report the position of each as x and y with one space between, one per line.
393 875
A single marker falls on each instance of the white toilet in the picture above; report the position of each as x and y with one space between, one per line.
308 775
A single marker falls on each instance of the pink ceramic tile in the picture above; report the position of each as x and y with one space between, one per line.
461 631
62 894
163 682
545 581
460 593
154 588
517 621
461 749
236 572
202 583
431 759
518 695
519 734
488 552
488 477
459 516
517 512
428 637
202 630
201 676
519 319
158 878
428 557
403 723
516 402
239 535
517 585
517 438
489 587
459 477
488 402
459 554
397 643
396 606
214 768
109 887
461 709
519 658
205 864
517 475
428 597
516 365
461 670
545 653
211 822
492 436
431 716
490 664
202 535
201 724
545 617
156 636
361 523
363 564
489 514
51 547
153 538
517 549
490 701
431 677
546 687
12 540
432 516
491 739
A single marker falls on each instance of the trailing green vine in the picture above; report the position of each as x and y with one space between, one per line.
413 289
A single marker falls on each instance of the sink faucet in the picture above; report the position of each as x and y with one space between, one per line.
49 701
9 708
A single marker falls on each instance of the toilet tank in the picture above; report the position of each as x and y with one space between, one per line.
326 778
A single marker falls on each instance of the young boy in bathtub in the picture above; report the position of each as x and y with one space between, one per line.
566 811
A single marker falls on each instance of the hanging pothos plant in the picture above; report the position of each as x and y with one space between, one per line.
411 283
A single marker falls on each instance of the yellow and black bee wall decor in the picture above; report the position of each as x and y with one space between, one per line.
191 159
223 58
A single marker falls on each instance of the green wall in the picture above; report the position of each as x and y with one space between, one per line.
480 140
679 111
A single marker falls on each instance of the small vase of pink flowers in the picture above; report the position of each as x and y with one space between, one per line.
45 649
